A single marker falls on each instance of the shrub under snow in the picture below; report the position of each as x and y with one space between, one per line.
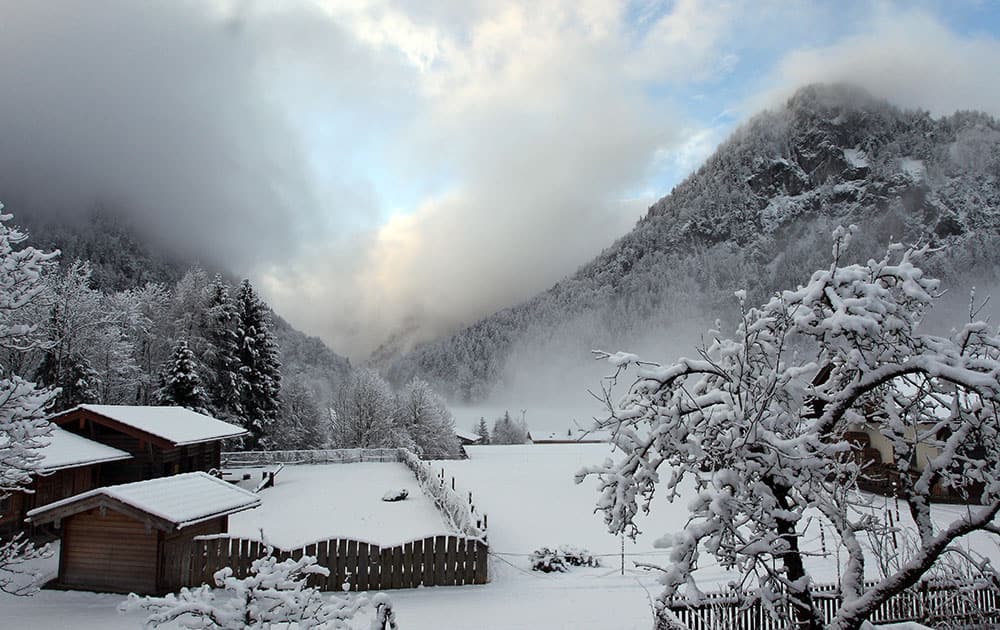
274 593
561 559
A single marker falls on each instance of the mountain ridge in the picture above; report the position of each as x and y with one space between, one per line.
756 213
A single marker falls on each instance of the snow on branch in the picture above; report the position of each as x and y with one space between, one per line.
764 425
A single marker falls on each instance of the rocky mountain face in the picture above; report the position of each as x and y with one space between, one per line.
756 216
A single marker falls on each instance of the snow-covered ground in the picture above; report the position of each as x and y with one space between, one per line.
321 501
531 499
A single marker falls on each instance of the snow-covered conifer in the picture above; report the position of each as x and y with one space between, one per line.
506 430
483 431
259 367
180 383
221 353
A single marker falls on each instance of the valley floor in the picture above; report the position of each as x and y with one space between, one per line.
531 499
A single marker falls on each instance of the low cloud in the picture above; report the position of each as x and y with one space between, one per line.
908 57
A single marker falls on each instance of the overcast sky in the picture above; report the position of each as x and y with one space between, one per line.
378 166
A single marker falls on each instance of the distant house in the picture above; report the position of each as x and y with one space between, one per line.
132 537
161 440
70 464
468 439
568 437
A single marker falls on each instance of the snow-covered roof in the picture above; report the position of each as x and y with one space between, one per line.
467 436
180 500
175 424
67 450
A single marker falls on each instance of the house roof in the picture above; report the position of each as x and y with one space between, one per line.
176 425
167 502
67 450
467 436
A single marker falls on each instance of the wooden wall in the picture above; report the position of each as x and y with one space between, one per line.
149 461
45 489
433 561
108 553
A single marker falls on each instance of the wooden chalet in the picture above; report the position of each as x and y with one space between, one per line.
161 440
70 464
136 537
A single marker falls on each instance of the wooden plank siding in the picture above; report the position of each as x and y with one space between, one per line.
45 489
151 458
431 561
108 552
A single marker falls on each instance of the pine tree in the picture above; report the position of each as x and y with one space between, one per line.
220 358
259 367
483 431
507 431
179 381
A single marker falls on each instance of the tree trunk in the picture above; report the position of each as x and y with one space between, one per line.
805 615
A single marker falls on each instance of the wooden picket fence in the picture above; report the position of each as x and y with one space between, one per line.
242 459
432 561
971 604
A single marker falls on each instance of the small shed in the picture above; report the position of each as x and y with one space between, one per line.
125 538
162 440
69 464
468 439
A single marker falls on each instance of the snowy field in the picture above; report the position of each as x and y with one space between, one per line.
531 499
316 502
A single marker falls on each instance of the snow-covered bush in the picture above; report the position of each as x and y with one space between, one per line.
395 495
449 502
561 559
769 414
274 593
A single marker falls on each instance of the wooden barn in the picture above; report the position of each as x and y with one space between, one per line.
161 440
70 464
128 538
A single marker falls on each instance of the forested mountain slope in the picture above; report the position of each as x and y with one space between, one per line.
121 260
757 215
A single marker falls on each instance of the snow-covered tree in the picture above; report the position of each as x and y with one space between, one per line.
259 367
506 430
483 431
274 594
301 423
222 346
180 383
760 422
364 412
423 415
23 405
75 321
